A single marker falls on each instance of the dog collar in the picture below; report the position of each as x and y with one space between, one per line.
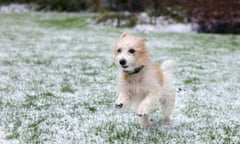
135 71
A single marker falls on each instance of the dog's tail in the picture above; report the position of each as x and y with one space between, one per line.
168 65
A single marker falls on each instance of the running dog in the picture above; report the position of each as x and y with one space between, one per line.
143 83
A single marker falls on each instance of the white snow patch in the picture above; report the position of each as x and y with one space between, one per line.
16 8
147 23
3 139
178 27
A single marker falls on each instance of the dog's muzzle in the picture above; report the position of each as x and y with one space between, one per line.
122 62
135 71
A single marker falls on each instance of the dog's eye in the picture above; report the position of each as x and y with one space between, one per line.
132 51
119 50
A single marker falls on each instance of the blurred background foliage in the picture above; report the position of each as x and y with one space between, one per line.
208 14
208 8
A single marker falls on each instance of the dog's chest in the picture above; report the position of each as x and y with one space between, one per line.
137 87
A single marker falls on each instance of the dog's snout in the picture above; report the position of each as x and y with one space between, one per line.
122 61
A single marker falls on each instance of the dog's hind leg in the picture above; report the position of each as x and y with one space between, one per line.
167 106
144 121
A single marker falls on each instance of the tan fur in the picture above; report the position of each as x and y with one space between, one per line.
148 88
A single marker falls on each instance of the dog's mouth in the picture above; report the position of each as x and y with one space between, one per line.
125 66
135 70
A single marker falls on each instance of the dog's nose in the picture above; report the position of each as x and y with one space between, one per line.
122 62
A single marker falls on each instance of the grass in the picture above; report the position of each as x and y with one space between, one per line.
58 84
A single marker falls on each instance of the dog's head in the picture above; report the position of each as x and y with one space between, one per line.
130 53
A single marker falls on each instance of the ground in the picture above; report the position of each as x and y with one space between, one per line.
58 84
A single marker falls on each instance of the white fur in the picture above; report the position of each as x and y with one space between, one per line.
128 57
150 88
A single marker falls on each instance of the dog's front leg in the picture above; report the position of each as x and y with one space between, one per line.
149 102
122 101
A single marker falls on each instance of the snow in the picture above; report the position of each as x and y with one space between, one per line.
37 61
3 139
163 24
178 27
16 8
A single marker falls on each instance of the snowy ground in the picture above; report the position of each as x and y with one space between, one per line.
17 8
57 84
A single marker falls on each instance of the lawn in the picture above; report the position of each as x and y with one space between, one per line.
58 84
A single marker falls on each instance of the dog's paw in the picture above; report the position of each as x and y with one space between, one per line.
121 103
118 106
142 111
141 114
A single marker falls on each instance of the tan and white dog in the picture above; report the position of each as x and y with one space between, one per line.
143 83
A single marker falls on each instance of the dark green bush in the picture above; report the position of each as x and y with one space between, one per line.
62 5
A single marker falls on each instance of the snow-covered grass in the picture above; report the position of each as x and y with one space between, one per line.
17 8
58 82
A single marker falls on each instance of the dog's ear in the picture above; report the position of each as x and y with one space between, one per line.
124 34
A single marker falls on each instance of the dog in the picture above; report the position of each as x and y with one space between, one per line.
143 83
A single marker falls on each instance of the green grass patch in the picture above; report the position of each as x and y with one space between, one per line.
66 23
192 80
